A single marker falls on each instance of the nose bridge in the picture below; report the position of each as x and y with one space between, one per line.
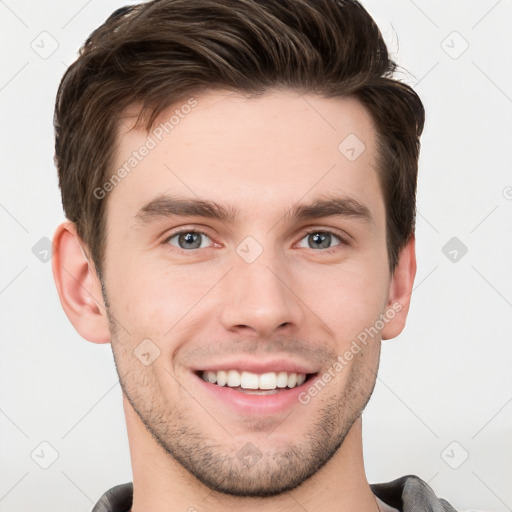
258 290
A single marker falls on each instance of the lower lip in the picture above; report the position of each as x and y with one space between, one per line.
245 403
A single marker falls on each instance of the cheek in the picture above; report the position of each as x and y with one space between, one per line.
155 302
353 301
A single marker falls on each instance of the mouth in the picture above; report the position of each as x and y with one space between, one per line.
268 383
251 394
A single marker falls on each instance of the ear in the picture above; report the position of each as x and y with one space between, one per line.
78 285
400 289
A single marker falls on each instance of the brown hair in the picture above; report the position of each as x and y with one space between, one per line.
160 52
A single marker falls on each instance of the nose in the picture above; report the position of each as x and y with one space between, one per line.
261 297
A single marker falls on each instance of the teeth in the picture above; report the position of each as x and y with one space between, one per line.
233 379
222 378
292 380
282 380
249 380
267 381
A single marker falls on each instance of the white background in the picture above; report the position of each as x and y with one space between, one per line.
446 378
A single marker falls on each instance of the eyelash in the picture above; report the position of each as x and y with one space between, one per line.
173 248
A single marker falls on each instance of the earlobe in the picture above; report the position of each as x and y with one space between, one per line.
78 285
400 290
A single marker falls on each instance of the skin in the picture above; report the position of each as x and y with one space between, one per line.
262 156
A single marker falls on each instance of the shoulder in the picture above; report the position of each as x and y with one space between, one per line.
116 499
410 493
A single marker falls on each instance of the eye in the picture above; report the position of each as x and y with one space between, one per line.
321 239
187 239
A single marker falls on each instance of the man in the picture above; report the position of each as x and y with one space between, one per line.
239 178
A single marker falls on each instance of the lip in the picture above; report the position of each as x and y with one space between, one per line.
250 365
255 405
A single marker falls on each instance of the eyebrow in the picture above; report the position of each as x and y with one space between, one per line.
164 206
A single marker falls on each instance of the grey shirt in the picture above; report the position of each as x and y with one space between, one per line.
410 494
406 494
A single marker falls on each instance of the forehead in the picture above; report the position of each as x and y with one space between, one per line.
260 152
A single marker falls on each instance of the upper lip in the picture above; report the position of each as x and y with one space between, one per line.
255 366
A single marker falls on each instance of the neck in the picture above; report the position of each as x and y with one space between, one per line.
163 485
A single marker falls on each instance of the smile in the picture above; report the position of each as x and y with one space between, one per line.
254 394
254 383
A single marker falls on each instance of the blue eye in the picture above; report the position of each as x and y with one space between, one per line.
318 239
187 239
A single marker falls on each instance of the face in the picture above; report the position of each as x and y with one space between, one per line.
248 246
